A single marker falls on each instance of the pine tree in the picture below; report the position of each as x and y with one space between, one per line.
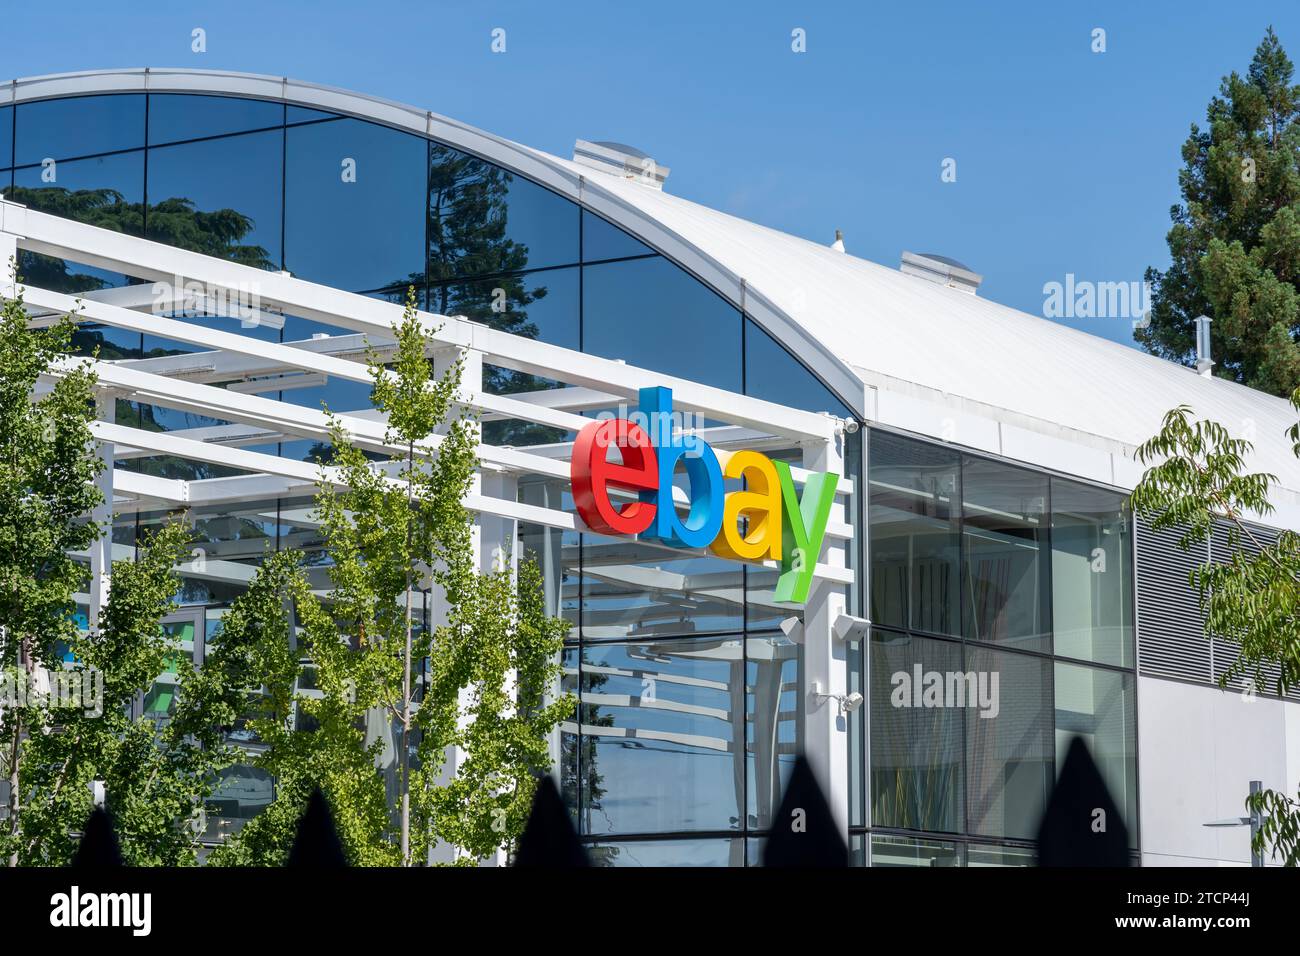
1235 239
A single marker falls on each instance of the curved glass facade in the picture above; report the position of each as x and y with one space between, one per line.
690 705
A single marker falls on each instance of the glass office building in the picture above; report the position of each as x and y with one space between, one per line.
1005 568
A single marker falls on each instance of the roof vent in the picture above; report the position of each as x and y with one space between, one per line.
838 244
617 159
1204 362
942 270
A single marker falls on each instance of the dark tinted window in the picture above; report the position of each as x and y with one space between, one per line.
6 138
538 305
79 126
107 191
773 374
219 197
174 116
485 221
301 114
354 213
603 240
651 313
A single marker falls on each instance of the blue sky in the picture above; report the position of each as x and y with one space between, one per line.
1066 159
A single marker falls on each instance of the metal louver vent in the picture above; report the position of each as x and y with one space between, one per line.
1171 628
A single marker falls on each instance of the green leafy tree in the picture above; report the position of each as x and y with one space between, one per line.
398 532
47 488
155 769
1198 482
1235 239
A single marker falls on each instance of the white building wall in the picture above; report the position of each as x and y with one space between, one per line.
1198 749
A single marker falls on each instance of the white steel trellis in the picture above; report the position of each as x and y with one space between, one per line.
223 379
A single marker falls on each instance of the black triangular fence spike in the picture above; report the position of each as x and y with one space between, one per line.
317 842
804 831
549 840
98 845
1081 825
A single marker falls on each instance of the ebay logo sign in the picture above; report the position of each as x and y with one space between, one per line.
767 519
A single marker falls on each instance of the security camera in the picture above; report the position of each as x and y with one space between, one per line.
850 628
852 702
850 425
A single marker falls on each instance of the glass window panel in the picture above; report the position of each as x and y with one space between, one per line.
78 126
220 197
667 853
915 534
580 783
980 854
180 116
302 114
1098 705
691 332
916 749
634 590
107 191
774 375
774 722
67 276
1004 534
604 240
112 344
666 723
1092 574
6 140
1009 753
354 205
242 792
905 851
484 221
539 305
554 551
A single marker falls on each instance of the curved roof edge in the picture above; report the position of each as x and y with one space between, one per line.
587 191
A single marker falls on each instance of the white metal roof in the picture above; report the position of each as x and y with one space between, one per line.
902 351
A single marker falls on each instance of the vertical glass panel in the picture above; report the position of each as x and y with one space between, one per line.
6 141
107 191
774 722
652 314
575 751
915 534
634 590
773 374
1004 533
857 733
78 126
484 221
604 240
540 305
555 552
354 205
904 851
1098 705
916 740
1092 575
1009 765
220 197
667 726
668 853
179 116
